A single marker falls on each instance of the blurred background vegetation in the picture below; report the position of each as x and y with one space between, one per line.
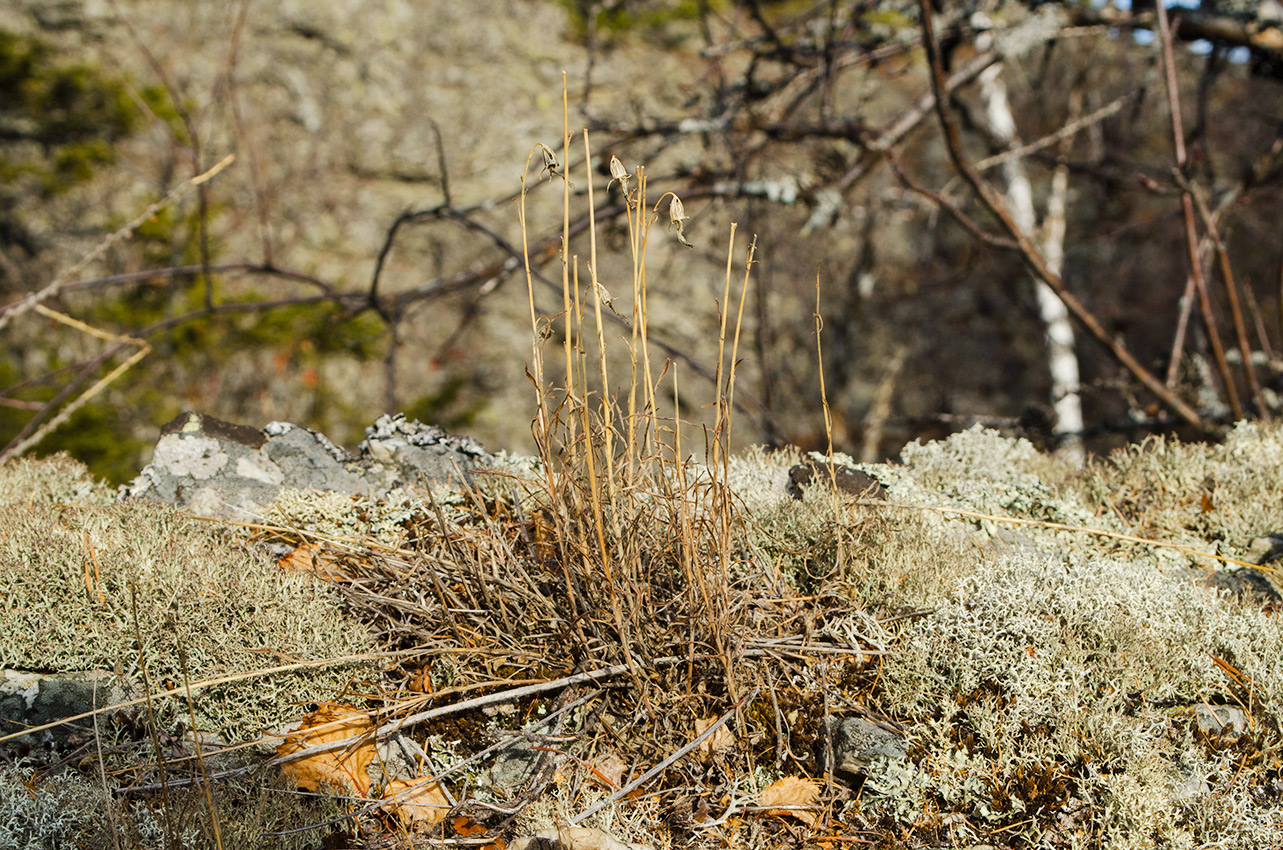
358 256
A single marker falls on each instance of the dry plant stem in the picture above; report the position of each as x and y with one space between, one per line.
642 319
565 258
590 448
1028 251
749 260
542 427
607 407
536 336
828 422
1187 209
715 603
207 787
13 311
719 449
665 764
727 509
693 576
634 249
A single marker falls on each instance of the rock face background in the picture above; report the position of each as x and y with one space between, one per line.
355 119
343 116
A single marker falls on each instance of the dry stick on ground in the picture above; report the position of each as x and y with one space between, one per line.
664 765
1029 252
1187 209
209 683
1060 526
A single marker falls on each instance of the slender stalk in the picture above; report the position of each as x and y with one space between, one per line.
565 259
607 417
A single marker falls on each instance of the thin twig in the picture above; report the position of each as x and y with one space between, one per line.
1028 251
18 308
1187 209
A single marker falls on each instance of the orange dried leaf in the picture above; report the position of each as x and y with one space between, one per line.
573 838
422 806
313 558
720 741
343 770
795 793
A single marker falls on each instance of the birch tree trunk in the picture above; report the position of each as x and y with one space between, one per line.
1062 358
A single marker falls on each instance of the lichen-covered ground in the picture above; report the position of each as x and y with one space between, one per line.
1057 657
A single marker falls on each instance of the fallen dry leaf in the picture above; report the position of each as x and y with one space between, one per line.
720 741
794 792
608 769
342 770
573 838
423 807
320 561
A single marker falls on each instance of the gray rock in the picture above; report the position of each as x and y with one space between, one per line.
30 699
512 768
858 743
1249 584
218 469
1220 721
849 481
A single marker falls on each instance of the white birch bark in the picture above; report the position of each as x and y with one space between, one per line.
1062 358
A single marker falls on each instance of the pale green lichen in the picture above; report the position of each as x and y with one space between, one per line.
56 478
1053 679
1208 497
67 810
82 585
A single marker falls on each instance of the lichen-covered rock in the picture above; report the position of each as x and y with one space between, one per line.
218 469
